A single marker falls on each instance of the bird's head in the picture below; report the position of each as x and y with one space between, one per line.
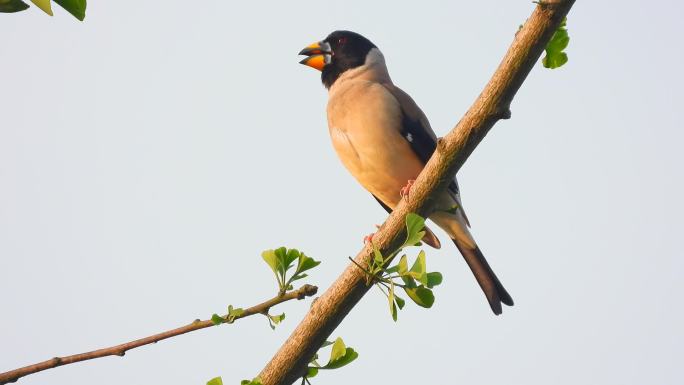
337 53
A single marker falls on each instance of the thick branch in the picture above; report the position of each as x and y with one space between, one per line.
290 362
120 350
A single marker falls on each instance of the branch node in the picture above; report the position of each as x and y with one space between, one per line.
307 291
441 145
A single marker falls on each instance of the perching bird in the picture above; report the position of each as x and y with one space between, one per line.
384 140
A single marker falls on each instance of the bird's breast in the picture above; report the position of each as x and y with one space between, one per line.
364 121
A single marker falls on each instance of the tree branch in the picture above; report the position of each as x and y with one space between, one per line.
120 350
290 362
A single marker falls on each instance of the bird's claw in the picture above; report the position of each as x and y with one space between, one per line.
406 190
368 238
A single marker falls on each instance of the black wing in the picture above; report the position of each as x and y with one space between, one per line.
422 143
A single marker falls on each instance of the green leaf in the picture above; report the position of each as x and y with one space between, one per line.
305 263
254 381
11 6
277 318
298 276
421 295
409 281
217 319
555 57
74 7
271 259
338 350
403 265
377 256
45 5
215 381
555 60
311 372
434 279
340 355
349 356
233 313
392 305
273 320
400 301
418 269
292 254
414 224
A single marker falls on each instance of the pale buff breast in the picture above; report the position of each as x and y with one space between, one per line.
364 120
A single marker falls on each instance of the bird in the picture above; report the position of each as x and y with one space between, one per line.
384 140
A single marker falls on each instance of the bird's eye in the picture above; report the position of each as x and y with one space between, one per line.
342 41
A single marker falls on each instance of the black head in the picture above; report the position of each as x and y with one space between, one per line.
337 53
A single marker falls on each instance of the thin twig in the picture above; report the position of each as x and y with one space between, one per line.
120 350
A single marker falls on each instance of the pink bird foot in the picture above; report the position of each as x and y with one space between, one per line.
406 190
369 238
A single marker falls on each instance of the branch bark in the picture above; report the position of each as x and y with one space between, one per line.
120 350
290 362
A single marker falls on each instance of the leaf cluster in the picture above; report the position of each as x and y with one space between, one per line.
281 260
74 7
555 57
416 282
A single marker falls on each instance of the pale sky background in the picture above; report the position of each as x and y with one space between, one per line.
149 154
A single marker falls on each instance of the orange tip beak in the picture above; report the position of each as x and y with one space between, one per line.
319 55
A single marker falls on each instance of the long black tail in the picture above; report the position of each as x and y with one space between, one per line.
492 288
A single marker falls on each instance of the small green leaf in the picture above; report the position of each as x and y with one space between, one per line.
254 381
433 279
555 57
298 276
277 318
217 319
11 6
409 281
414 224
292 254
338 350
215 381
403 265
392 305
74 7
45 5
400 301
271 259
305 263
421 295
233 314
377 256
340 355
311 372
418 269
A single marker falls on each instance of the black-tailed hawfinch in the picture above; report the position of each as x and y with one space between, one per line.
384 140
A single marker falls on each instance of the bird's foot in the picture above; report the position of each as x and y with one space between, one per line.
406 190
368 238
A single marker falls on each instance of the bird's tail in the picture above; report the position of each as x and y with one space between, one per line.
488 281
455 224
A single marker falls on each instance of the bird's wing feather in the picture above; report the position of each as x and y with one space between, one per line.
417 131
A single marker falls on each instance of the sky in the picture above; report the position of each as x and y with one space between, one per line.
151 153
